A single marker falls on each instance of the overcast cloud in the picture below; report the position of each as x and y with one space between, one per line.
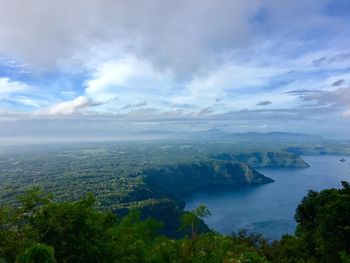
239 65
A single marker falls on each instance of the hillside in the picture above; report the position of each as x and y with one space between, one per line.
265 159
181 179
160 193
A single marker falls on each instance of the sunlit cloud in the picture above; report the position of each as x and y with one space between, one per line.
231 64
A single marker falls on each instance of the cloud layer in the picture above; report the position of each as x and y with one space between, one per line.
234 64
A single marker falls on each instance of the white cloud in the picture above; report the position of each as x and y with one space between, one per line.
235 85
338 97
182 35
78 105
130 80
26 101
8 87
179 34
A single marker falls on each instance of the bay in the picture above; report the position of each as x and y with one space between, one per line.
269 209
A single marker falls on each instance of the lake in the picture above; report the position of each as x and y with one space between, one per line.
269 209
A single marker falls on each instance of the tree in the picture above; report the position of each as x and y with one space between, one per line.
76 230
16 232
323 230
134 238
193 218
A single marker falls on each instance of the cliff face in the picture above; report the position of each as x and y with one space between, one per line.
265 159
162 188
180 179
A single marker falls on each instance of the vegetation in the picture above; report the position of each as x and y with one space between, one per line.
323 231
143 185
265 159
39 229
149 177
114 172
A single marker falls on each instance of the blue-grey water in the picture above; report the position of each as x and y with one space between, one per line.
269 209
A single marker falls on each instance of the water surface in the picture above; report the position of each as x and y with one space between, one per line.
269 209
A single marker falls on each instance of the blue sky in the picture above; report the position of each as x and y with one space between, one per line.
93 69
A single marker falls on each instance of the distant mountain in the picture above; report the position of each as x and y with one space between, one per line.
217 134
162 134
156 132
209 134
273 136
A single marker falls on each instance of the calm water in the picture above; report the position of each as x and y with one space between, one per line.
269 209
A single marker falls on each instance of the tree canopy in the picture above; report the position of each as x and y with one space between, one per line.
38 229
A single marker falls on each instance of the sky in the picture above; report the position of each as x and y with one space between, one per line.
103 69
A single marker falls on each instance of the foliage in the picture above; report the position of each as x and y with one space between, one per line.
42 230
323 231
38 253
344 257
192 220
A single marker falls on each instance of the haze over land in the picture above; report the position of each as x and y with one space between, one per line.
96 70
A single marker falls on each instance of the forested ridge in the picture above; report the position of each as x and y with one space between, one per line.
39 229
